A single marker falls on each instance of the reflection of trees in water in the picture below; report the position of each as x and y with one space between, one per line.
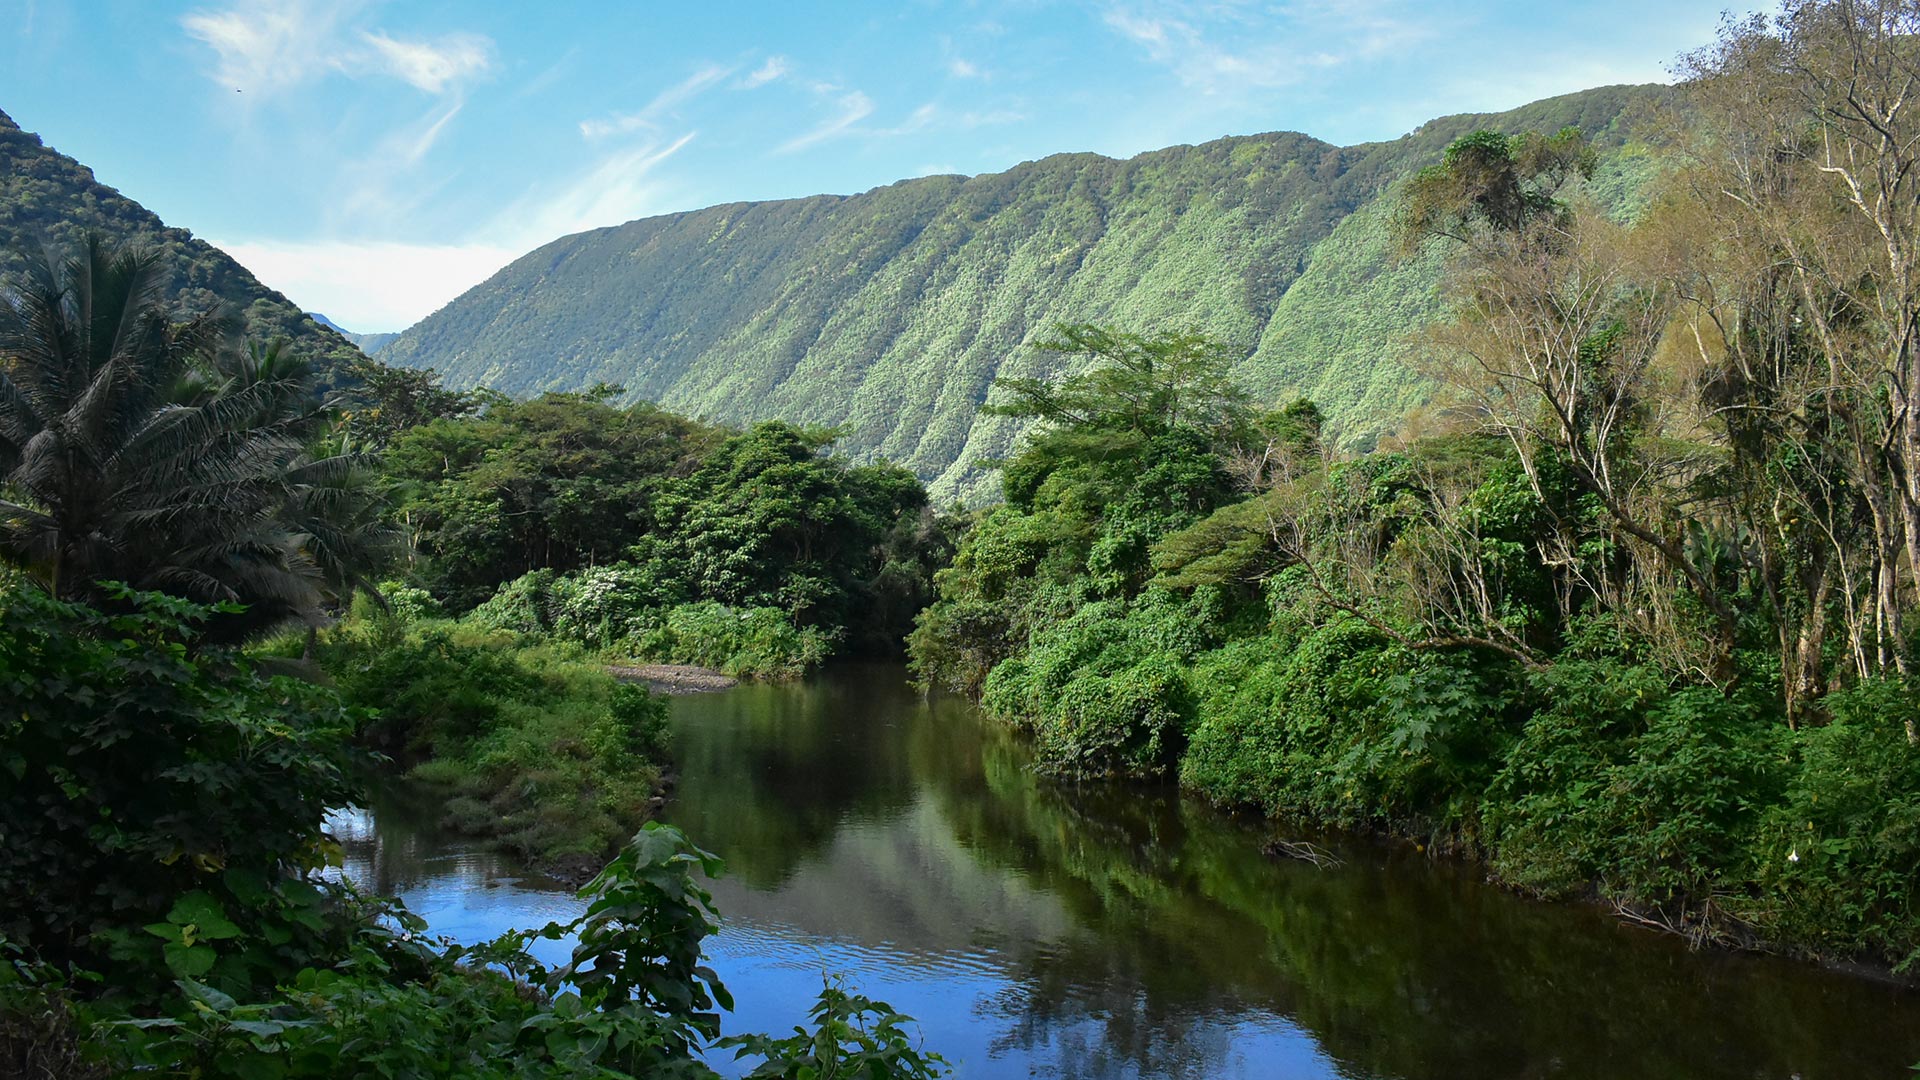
1096 1023
1399 967
768 773
409 848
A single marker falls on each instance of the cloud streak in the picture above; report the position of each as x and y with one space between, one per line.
649 116
434 66
776 67
621 187
276 45
856 106
852 108
1233 45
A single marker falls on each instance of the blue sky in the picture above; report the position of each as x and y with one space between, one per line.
372 160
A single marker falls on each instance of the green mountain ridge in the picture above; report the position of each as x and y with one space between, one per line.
888 314
47 197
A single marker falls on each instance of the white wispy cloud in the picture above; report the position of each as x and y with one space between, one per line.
775 68
553 73
273 45
851 107
269 46
919 120
620 187
649 116
385 184
433 66
1234 45
964 69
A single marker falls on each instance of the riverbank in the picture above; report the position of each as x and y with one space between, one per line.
673 679
528 743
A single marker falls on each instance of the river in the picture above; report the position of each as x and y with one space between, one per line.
1095 932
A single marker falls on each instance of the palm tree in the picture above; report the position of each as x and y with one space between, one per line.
141 450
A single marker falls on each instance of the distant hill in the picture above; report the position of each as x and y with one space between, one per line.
891 312
47 197
367 343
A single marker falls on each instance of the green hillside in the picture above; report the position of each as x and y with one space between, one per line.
890 313
47 197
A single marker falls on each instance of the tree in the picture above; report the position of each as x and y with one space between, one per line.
1132 447
138 449
1558 336
391 400
1806 159
769 519
563 481
1137 383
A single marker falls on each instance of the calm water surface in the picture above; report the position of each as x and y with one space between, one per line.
1094 932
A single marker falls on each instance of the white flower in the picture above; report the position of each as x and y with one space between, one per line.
1794 855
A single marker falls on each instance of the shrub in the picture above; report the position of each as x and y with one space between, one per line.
535 745
1838 855
1106 690
603 605
625 610
140 769
751 642
523 605
1545 817
1684 804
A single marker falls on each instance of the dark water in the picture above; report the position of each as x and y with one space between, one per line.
1095 932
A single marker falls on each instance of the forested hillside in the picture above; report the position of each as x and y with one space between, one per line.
47 198
890 313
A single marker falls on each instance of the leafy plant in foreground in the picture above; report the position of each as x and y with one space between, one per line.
633 1000
853 1037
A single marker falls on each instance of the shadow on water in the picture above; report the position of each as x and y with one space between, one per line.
1103 932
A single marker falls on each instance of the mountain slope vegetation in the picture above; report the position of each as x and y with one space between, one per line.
890 313
48 200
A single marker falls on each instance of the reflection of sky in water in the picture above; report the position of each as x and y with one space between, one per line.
969 1006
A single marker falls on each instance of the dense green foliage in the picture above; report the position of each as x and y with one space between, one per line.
141 769
50 200
1211 594
889 314
172 792
170 796
645 534
561 482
